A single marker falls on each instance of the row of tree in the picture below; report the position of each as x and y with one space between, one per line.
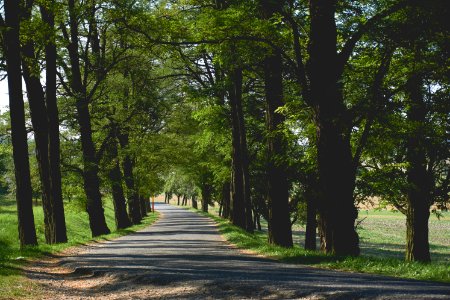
329 104
275 109
101 97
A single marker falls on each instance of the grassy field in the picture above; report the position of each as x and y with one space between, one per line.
382 235
12 282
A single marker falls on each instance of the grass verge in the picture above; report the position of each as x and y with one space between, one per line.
13 284
257 243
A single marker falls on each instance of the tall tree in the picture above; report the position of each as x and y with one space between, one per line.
241 214
280 232
115 176
54 148
418 209
91 179
134 207
27 231
55 229
336 174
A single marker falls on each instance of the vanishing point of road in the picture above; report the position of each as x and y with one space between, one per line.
183 256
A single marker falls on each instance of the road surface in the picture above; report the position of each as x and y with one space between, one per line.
182 256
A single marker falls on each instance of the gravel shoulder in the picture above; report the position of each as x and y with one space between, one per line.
183 256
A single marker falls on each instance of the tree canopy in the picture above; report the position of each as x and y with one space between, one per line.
293 111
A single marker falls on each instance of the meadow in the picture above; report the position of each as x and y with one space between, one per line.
382 233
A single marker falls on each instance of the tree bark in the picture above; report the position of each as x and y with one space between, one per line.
336 172
134 207
148 205
280 232
27 231
226 200
115 177
38 111
419 191
143 206
54 222
206 196
91 180
277 186
311 215
241 214
194 202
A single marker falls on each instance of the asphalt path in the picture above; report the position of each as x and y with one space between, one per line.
183 256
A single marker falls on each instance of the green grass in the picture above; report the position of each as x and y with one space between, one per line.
12 282
375 261
383 233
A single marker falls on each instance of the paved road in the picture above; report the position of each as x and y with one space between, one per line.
182 256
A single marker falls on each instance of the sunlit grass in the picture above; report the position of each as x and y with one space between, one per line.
12 258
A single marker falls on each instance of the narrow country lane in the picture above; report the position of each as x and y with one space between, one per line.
182 256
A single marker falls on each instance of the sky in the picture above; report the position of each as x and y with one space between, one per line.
4 101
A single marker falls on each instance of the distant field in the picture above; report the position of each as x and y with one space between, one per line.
383 234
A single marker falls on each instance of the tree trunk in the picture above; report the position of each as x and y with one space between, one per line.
148 205
311 227
336 179
38 111
322 233
226 200
178 200
419 191
143 206
115 177
240 190
54 220
53 130
220 208
280 232
256 220
336 172
194 202
277 186
91 180
27 231
134 207
206 196
311 217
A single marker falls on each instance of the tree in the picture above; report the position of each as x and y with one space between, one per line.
27 231
407 167
336 175
116 180
278 189
48 17
42 120
78 89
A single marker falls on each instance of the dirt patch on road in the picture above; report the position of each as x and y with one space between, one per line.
56 280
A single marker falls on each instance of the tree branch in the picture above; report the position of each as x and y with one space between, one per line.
347 50
377 98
